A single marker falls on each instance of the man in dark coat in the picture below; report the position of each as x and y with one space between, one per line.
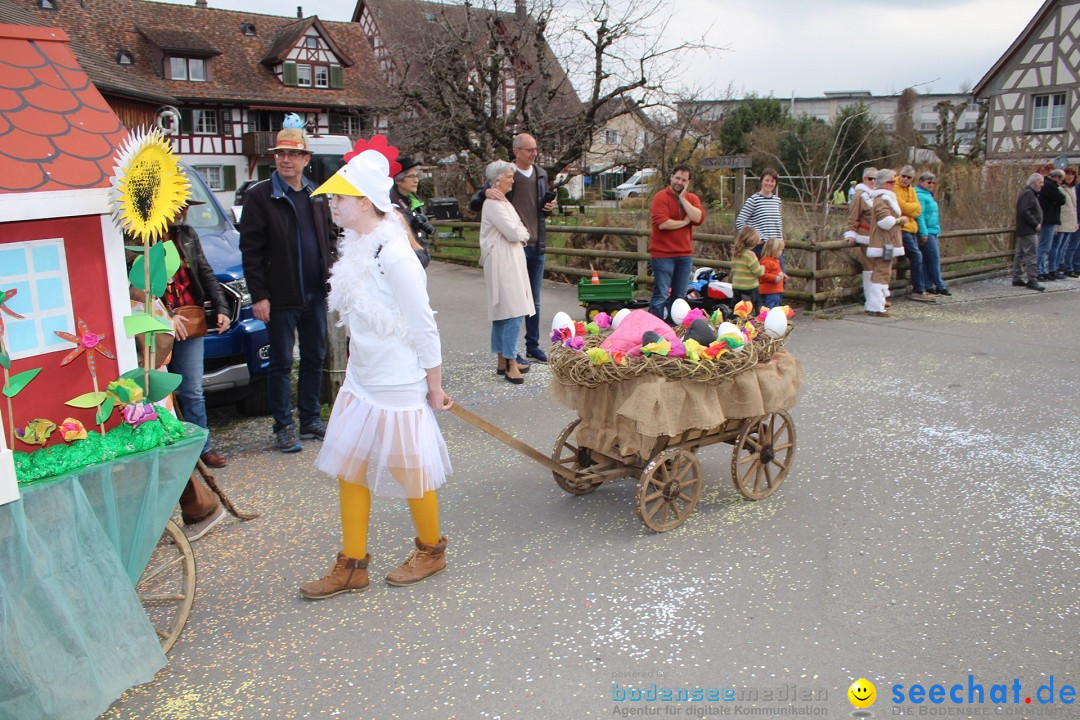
1050 200
285 238
1029 219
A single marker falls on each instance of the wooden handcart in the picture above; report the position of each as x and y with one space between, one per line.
668 473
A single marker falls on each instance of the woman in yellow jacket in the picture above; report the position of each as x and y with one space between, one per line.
910 207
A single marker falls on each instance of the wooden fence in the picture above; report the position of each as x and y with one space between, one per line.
826 273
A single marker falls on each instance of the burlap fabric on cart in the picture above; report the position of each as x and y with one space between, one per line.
627 417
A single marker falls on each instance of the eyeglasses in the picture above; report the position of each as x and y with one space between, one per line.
289 153
529 150
907 177
930 182
411 176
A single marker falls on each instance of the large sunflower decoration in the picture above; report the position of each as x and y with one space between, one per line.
148 187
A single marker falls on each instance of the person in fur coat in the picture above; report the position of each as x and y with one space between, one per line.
885 242
860 217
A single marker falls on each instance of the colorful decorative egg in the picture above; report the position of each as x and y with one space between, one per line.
562 320
776 323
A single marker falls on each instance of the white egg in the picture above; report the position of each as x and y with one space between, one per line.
679 310
619 317
562 320
726 328
775 323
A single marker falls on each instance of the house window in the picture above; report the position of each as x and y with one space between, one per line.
303 75
611 137
124 58
37 271
205 122
248 29
213 175
322 76
345 125
193 69
311 43
47 5
1048 112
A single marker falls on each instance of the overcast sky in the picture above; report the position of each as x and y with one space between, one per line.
806 47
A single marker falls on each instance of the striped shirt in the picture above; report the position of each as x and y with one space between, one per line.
763 214
745 271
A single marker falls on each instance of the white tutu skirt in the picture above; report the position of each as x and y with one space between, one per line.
387 438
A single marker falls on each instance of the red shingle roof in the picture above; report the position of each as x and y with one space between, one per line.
56 130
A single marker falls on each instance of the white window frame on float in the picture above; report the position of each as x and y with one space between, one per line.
44 296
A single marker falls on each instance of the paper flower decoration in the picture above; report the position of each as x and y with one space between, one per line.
148 187
693 349
762 315
749 331
593 328
599 356
618 357
579 328
126 390
694 314
88 342
744 308
575 343
37 431
4 297
72 430
715 350
138 413
602 320
788 310
561 335
660 347
732 341
379 144
293 121
717 317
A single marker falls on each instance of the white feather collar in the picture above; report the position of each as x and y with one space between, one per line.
358 273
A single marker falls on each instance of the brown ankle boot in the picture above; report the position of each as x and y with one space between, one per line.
513 372
346 574
423 562
500 369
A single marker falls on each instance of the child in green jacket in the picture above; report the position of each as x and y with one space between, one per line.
745 268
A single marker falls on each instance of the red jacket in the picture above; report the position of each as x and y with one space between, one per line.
671 243
770 283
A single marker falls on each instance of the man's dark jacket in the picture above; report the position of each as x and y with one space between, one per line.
1051 199
1029 214
476 202
270 243
204 284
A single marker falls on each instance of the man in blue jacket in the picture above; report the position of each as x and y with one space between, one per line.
533 204
285 240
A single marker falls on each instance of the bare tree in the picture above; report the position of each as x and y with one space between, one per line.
474 75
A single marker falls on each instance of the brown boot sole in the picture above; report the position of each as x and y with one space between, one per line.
306 596
398 583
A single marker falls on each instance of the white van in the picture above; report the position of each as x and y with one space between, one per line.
637 184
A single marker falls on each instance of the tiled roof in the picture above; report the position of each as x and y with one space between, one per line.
172 40
56 130
237 75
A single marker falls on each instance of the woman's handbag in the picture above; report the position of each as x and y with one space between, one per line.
196 320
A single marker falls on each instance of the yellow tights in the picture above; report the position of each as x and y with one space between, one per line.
355 501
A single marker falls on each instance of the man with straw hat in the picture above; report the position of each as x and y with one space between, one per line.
285 239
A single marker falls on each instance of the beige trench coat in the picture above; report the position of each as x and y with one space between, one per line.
502 256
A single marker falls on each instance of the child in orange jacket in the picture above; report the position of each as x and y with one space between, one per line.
772 281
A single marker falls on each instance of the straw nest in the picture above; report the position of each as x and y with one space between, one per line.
575 367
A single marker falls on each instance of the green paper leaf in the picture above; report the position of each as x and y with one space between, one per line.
16 383
87 400
105 410
5 361
143 323
172 258
134 248
161 383
159 277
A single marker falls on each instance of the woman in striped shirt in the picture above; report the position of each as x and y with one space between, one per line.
762 212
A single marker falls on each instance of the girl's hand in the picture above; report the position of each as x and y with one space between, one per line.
439 400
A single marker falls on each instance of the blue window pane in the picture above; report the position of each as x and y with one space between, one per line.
56 322
22 303
50 294
46 259
20 336
12 262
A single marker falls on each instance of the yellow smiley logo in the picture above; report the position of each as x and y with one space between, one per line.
862 693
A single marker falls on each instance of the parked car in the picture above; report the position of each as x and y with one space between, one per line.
637 184
235 362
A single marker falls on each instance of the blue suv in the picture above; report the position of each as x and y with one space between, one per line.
235 362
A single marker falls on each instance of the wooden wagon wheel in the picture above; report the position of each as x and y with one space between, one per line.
573 458
669 489
167 586
763 454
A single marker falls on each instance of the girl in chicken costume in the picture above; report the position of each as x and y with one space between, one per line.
382 436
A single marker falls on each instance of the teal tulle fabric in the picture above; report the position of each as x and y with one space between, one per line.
73 634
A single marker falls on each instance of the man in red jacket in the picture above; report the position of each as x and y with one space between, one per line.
675 211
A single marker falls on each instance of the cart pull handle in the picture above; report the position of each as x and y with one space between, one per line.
500 434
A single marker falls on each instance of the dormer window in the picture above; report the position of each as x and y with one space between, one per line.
186 68
248 29
124 58
49 5
303 75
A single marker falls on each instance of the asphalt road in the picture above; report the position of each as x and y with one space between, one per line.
930 530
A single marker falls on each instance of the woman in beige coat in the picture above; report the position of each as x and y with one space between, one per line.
502 255
885 242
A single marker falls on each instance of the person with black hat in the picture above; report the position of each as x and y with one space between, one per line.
285 239
403 196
